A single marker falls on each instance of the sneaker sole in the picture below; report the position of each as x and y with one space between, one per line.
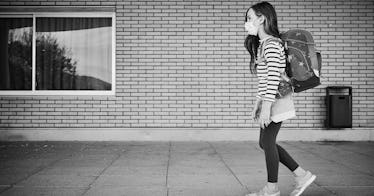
310 181
276 194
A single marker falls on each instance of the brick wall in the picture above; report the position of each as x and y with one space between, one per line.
183 64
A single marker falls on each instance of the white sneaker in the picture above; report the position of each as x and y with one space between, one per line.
264 192
302 183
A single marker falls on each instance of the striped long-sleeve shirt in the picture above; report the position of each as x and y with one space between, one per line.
271 62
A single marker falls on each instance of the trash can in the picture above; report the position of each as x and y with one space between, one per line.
339 107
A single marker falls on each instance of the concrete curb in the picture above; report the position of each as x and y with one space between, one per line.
180 134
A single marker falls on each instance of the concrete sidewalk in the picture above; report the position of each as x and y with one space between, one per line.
177 168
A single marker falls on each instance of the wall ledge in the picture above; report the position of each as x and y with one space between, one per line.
180 134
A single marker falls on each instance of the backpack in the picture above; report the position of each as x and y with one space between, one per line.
303 62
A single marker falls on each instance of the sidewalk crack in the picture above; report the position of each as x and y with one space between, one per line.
227 166
118 155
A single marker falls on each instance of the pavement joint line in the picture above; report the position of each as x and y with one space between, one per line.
353 151
258 148
319 185
317 155
36 170
333 161
41 186
324 187
351 186
110 164
320 155
167 169
232 172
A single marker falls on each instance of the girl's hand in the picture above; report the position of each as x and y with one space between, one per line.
264 118
256 110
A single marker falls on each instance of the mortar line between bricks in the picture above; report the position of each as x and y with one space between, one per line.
232 172
102 171
37 170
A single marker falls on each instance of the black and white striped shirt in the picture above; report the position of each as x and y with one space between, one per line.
270 65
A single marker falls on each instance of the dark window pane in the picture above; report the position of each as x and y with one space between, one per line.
15 53
74 53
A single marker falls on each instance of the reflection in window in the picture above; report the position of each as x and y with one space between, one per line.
15 53
73 53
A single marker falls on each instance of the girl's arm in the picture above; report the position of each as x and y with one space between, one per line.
272 53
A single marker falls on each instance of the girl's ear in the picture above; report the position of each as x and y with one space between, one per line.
261 19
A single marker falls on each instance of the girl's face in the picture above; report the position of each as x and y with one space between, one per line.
253 23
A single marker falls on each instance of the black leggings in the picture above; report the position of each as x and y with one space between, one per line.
274 153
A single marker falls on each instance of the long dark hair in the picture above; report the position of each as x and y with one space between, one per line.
251 43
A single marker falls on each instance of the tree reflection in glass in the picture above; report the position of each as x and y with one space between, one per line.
73 53
15 53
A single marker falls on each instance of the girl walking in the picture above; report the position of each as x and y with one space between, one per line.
272 105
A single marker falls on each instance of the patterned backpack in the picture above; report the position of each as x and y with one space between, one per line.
303 62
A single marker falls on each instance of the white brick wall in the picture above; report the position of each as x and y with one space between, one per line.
183 64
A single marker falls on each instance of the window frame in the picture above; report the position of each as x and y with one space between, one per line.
33 90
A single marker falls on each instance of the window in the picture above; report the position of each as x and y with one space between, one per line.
15 53
49 54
